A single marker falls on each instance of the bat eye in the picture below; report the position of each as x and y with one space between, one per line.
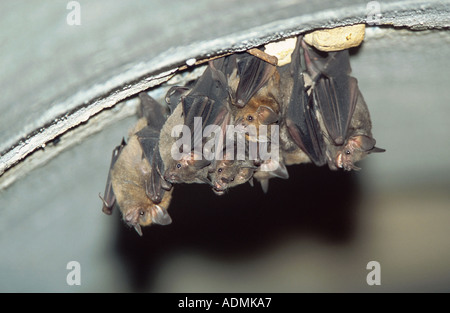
220 170
347 152
249 118
179 165
141 213
232 179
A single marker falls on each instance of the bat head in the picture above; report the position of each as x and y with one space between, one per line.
154 214
356 148
186 170
230 173
260 110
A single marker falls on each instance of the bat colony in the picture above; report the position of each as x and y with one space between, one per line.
250 117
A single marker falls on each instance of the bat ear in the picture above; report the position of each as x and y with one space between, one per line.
138 229
266 115
160 216
376 149
199 164
364 143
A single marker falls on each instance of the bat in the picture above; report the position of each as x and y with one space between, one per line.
134 181
359 143
253 72
230 172
319 121
301 120
334 91
206 102
313 101
225 82
155 116
262 109
344 115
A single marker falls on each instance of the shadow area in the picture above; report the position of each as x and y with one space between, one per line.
244 223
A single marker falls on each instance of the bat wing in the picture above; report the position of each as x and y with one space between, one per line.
155 184
253 73
109 198
207 100
154 113
301 120
335 92
305 130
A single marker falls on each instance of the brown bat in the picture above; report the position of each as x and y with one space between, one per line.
230 172
359 143
128 186
189 166
134 181
322 108
262 109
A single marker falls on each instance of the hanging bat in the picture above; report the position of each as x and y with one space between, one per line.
230 172
134 181
343 112
186 167
254 69
262 109
301 120
334 91
359 143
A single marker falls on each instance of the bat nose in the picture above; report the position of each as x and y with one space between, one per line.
169 177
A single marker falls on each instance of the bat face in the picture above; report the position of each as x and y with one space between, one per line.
258 111
356 148
230 173
188 170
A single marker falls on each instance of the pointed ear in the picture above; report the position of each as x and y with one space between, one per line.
365 143
160 216
199 164
264 185
281 171
376 149
266 115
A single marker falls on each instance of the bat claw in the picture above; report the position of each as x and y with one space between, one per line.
107 208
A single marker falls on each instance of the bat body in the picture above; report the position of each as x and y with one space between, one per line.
359 142
187 167
321 110
130 180
301 120
262 109
135 182
343 114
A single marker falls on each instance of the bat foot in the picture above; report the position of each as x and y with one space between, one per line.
107 208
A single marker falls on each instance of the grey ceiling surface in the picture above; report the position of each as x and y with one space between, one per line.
395 211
